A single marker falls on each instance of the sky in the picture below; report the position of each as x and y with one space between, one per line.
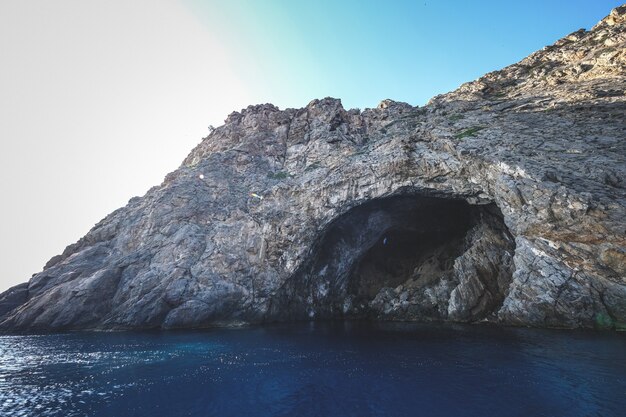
99 100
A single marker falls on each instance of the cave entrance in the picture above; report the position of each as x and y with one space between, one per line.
405 258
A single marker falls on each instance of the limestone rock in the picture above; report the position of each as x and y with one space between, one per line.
12 298
502 201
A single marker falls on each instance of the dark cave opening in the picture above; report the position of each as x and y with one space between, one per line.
405 258
396 255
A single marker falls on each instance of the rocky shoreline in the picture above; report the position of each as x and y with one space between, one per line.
502 201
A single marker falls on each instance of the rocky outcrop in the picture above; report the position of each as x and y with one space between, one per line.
501 201
13 298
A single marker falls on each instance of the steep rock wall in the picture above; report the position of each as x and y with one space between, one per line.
228 237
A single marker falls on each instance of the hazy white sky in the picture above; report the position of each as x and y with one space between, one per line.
100 99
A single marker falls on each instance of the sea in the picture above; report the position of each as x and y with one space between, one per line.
339 368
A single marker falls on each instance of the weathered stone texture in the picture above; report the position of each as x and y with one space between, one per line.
534 155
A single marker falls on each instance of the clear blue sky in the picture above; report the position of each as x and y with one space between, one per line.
364 51
101 99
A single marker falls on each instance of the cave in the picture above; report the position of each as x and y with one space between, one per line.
409 257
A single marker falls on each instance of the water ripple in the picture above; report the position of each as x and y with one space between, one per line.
316 370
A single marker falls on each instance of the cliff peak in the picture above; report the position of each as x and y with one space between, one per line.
616 17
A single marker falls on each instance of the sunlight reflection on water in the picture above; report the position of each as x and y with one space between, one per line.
322 369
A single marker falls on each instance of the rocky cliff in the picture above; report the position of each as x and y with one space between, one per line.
501 201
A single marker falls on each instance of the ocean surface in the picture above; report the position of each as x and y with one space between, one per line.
316 369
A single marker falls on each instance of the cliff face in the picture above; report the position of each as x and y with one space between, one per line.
503 201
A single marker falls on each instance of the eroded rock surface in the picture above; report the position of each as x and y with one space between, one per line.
502 201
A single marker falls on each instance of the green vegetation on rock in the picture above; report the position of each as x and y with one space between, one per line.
469 132
279 175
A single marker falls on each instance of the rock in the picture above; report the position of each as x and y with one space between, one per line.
503 200
617 16
13 298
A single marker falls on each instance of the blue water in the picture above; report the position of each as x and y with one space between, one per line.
323 369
